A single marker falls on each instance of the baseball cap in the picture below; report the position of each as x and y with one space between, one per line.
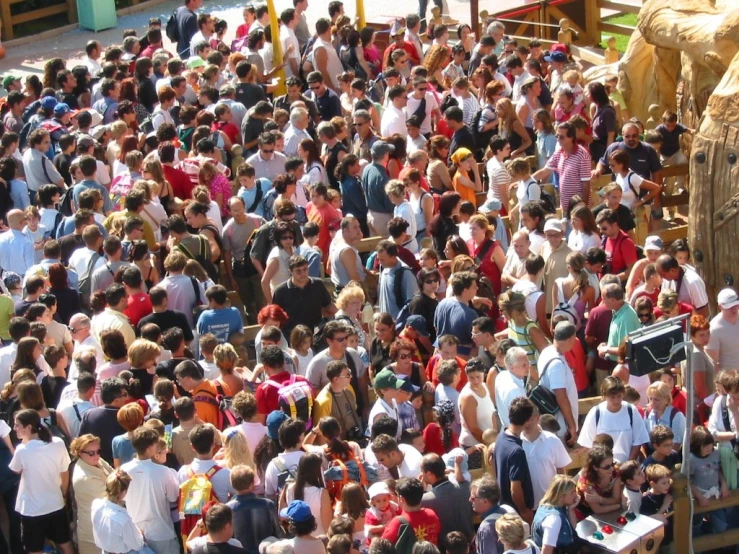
274 420
490 206
297 511
559 47
407 385
556 57
378 488
9 80
653 243
554 224
380 148
48 102
386 379
99 131
728 298
418 324
61 109
450 457
195 62
85 142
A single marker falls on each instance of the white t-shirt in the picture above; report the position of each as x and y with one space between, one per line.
410 467
545 455
40 465
723 339
252 430
405 211
626 434
153 488
221 479
582 242
692 291
287 37
290 461
532 293
527 191
550 526
559 375
431 105
379 408
508 387
628 198
393 122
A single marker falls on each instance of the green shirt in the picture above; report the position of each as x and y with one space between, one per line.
7 311
624 322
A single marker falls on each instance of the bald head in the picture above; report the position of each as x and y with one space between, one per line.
432 468
79 325
16 219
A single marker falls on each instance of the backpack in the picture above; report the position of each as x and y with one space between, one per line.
673 413
172 30
227 417
119 189
66 203
245 268
55 430
482 138
629 408
85 284
295 398
195 493
548 202
542 397
201 258
343 472
406 537
284 477
147 125
376 89
566 308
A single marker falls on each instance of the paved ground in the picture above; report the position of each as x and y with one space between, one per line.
30 58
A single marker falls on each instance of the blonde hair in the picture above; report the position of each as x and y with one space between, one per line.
142 350
19 376
348 294
116 484
510 529
572 74
510 113
576 262
662 389
561 485
224 353
395 187
435 58
459 262
518 167
235 449
118 129
667 299
81 443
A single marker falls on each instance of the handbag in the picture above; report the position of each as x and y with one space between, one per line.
542 397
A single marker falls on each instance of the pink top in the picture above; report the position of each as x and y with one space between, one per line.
221 184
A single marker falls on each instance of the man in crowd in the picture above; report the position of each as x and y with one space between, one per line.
685 281
723 346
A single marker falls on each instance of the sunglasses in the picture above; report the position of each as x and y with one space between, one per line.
405 356
339 339
431 282
609 467
268 151
645 316
92 452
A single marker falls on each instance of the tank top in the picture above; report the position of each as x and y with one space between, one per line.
312 497
522 337
529 122
483 255
283 272
417 206
332 160
484 414
339 274
333 63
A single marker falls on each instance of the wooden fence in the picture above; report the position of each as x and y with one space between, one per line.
68 7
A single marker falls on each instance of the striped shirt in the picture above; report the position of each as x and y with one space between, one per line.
574 171
522 337
499 179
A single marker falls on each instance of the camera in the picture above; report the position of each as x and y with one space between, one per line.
354 434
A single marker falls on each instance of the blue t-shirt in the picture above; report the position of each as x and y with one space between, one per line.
79 188
511 465
454 318
123 448
221 322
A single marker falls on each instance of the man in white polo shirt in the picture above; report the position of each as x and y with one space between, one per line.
723 346
511 384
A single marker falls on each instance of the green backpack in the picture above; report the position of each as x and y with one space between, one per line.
406 537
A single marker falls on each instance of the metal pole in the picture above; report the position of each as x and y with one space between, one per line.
689 413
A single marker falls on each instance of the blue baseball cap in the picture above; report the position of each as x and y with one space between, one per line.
297 511
407 385
418 324
61 109
48 102
274 420
556 57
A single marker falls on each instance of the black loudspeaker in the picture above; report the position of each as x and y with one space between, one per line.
652 351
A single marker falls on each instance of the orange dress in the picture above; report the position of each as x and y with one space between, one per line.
465 192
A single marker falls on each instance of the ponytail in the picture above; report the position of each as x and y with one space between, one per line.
31 418
43 433
576 261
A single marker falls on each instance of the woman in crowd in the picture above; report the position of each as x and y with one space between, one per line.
546 138
385 335
130 417
302 525
112 526
437 172
466 180
277 270
43 464
584 234
350 303
476 410
274 316
141 257
442 225
424 302
599 487
435 60
68 299
637 191
403 353
573 292
130 92
500 178
486 250
397 155
523 331
309 487
455 247
605 123
422 203
662 412
313 167
511 128
371 53
527 106
88 483
553 528
532 220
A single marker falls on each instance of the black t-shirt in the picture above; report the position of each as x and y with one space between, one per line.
148 94
219 548
167 319
463 138
251 128
69 244
249 94
651 504
511 465
303 306
61 163
425 306
379 356
623 214
68 98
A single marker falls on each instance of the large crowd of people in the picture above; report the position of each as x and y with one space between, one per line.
161 199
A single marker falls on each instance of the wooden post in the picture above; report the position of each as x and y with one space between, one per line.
475 18
7 19
592 19
682 518
72 11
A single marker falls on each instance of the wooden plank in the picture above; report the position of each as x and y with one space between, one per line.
675 170
681 519
72 11
7 20
368 244
615 29
671 200
716 541
587 55
250 332
718 503
10 2
673 233
39 14
585 404
618 6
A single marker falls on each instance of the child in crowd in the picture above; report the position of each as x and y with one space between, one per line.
414 438
681 252
632 476
382 510
226 358
164 395
352 341
36 232
406 410
662 440
449 376
679 396
572 79
208 343
301 340
439 435
707 481
466 211
651 286
429 259
657 501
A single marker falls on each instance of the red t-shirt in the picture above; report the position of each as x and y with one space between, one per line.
679 400
434 440
433 365
322 217
576 360
231 130
598 325
181 183
242 30
267 399
424 522
139 306
621 252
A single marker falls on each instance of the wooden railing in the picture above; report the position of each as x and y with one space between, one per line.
683 520
68 7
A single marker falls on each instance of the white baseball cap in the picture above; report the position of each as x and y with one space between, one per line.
653 243
728 298
377 489
554 224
